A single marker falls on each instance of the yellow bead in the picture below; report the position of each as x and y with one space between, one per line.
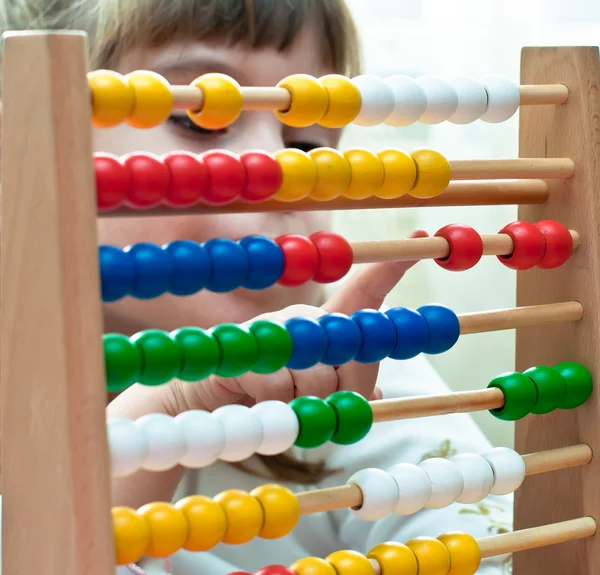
299 175
223 102
367 174
169 528
153 101
394 559
344 101
465 555
350 563
333 174
312 566
309 101
245 517
400 174
281 509
432 556
433 174
207 522
112 98
132 535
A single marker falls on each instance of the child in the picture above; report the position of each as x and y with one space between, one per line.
258 42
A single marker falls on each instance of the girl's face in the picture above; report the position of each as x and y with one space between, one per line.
181 64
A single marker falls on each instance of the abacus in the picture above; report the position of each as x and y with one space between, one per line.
58 451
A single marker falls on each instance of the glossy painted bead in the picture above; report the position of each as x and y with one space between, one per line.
433 174
281 509
207 522
200 353
412 332
309 101
113 181
229 265
166 442
344 339
153 269
128 446
442 99
399 174
578 381
280 426
446 482
265 262
205 438
529 246
152 99
378 335
478 477
377 100
227 177
347 562
465 555
149 180
414 488
301 259
503 98
243 432
551 388
344 101
317 420
169 528
509 470
161 356
239 351
367 174
466 247
275 570
122 361
410 101
222 102
188 179
379 494
472 99
334 257
112 98
309 342
354 416
559 244
263 176
191 267
432 556
394 558
312 566
131 533
444 328
520 396
245 516
117 273
333 174
299 175
274 345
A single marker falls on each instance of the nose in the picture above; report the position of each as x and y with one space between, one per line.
262 131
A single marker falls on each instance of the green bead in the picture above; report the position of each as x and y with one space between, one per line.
239 351
274 346
520 396
551 388
161 356
201 353
317 421
354 416
122 361
578 381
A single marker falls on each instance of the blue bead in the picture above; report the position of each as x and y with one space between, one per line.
266 262
444 328
344 338
309 342
153 270
378 335
230 265
412 332
117 273
191 267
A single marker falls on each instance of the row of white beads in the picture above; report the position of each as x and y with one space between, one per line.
434 483
401 100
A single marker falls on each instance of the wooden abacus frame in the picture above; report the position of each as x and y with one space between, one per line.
54 452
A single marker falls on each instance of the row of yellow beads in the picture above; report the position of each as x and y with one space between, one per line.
198 523
449 554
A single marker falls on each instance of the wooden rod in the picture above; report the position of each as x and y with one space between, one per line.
544 94
518 168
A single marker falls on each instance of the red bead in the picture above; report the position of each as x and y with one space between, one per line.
335 257
301 259
227 177
188 179
113 181
275 570
529 246
150 180
264 176
559 244
466 247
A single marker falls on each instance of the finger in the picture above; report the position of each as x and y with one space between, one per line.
319 381
358 377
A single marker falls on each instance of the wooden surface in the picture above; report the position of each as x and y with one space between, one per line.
55 483
571 130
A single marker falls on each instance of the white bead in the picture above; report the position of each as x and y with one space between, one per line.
280 426
410 101
478 477
472 100
504 98
414 488
166 441
442 100
446 482
127 446
204 437
243 432
377 100
379 493
509 470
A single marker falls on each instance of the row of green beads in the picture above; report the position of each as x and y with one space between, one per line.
542 389
155 357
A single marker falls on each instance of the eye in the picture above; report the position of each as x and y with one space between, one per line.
303 146
183 122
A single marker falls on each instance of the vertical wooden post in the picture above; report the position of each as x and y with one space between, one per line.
570 130
55 466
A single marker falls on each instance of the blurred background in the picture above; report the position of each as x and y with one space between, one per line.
473 38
